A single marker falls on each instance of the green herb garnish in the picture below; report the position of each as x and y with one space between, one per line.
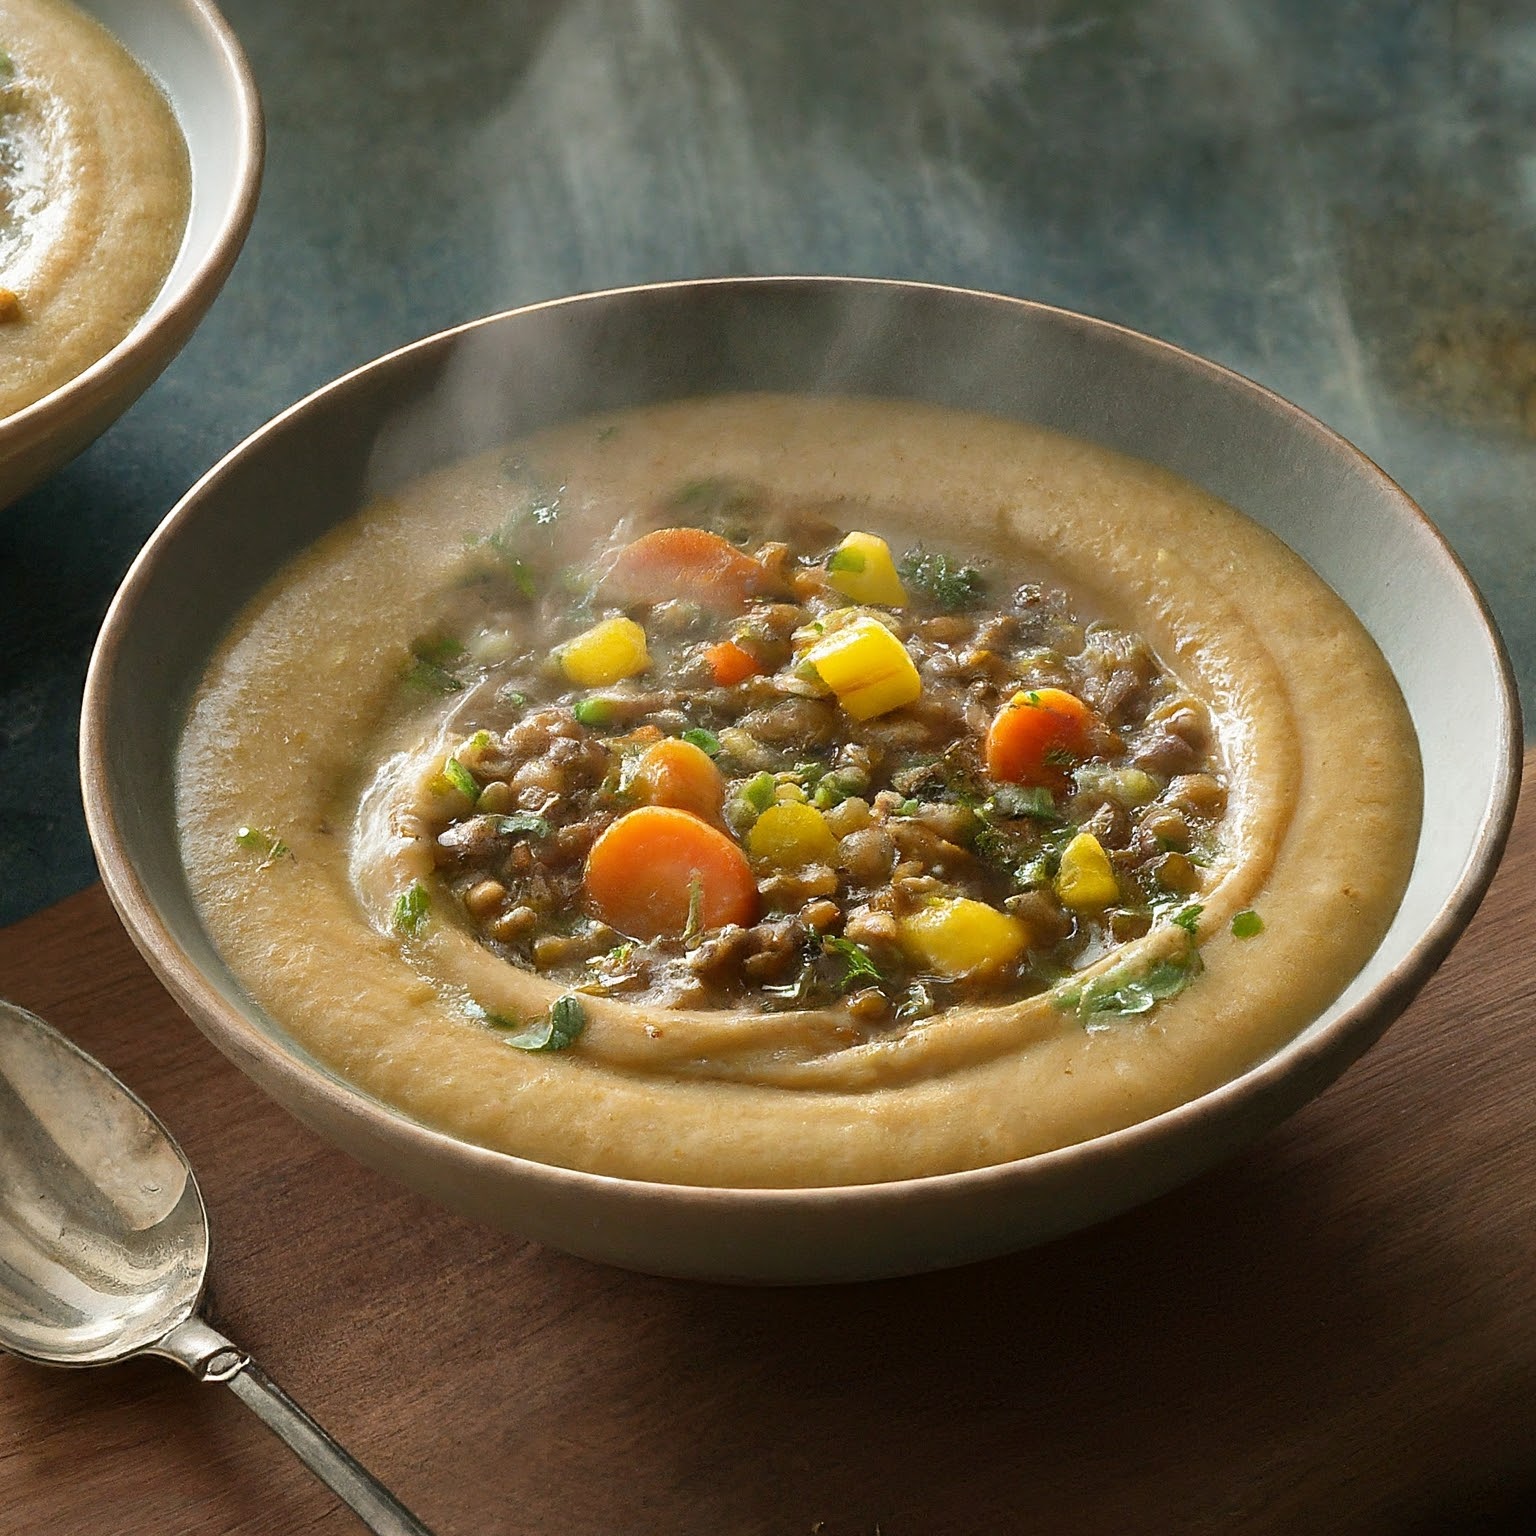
456 776
618 955
1188 919
431 678
758 791
594 712
410 909
829 793
1012 801
558 1030
949 584
481 741
522 824
859 966
258 840
705 741
845 560
1120 994
1246 924
522 575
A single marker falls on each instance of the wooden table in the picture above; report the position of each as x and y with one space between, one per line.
1336 1332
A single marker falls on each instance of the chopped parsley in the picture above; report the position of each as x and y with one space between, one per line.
456 776
522 575
758 791
1189 919
845 560
429 677
1246 924
410 909
947 583
1121 993
705 741
1012 801
268 844
522 824
558 1030
858 966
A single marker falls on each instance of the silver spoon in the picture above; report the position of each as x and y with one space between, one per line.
104 1247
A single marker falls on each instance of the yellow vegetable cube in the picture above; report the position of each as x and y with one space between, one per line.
867 667
606 653
1085 882
791 835
861 568
961 937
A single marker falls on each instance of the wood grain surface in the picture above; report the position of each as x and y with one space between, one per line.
1335 1332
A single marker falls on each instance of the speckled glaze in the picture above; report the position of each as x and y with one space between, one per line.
466 390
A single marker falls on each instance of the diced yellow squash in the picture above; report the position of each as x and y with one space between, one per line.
960 937
607 653
791 835
861 568
1085 882
867 667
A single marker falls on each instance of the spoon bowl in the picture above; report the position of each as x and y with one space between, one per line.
104 1246
103 1234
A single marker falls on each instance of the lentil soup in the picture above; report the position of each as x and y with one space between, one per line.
773 791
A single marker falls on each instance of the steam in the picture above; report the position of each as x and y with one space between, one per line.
1338 202
671 138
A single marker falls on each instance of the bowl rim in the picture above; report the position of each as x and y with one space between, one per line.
1340 1041
151 333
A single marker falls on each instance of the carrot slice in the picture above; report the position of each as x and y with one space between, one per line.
684 562
652 865
681 775
1036 736
730 663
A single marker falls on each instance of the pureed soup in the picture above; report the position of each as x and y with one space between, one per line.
775 791
94 192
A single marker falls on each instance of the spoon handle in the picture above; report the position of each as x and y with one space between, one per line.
211 1357
351 1482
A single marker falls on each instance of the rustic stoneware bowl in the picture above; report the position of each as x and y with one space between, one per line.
395 419
188 49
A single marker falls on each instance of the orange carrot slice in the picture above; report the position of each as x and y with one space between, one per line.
653 865
681 775
1037 736
730 663
684 562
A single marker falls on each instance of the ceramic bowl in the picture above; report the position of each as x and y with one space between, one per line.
317 463
187 47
